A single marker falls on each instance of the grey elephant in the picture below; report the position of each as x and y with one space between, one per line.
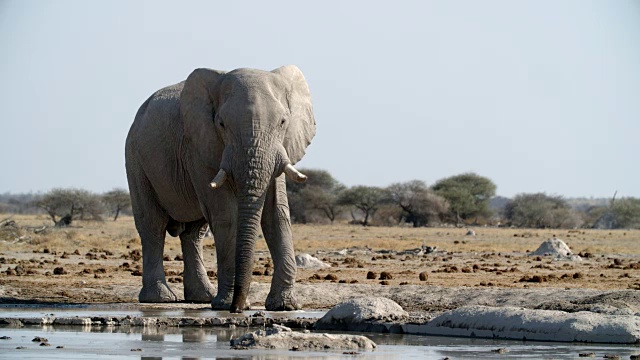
244 129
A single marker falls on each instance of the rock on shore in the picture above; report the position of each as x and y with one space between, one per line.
362 314
527 324
282 337
309 262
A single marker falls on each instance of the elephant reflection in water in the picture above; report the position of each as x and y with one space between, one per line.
189 335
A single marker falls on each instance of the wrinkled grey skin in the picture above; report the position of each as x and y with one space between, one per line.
250 123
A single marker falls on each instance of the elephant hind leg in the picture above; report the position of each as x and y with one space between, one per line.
151 221
197 287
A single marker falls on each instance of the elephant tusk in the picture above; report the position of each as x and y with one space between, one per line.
294 174
219 179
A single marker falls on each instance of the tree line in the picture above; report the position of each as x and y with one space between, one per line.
66 205
461 200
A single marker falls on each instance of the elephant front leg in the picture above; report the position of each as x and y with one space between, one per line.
154 285
276 226
197 287
224 234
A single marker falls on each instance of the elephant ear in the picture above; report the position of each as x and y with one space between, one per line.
302 125
197 110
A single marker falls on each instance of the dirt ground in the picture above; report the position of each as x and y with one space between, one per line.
100 262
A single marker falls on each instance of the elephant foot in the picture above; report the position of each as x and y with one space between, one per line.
282 300
223 302
157 293
200 293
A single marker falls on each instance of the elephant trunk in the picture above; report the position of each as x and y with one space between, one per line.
249 215
253 169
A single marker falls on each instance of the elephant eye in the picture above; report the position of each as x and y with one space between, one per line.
282 122
221 124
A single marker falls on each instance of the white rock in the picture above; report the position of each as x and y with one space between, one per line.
359 310
556 248
281 337
542 325
309 262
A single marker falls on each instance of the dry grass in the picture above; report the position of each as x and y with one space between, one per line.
316 237
494 257
120 235
83 235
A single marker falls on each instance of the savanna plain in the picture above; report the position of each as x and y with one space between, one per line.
100 262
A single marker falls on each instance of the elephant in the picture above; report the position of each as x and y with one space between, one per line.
245 129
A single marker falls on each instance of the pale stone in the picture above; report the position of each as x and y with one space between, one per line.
360 314
526 324
309 262
557 249
281 337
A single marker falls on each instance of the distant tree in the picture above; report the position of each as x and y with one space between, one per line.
599 217
365 198
324 201
318 195
419 205
620 214
468 196
540 211
19 203
71 204
626 212
116 200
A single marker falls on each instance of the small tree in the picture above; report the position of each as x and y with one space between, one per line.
468 196
420 205
620 213
71 204
322 200
540 211
319 194
626 212
365 198
117 200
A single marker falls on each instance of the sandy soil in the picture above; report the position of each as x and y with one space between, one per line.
100 263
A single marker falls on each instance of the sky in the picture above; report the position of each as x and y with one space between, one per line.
538 96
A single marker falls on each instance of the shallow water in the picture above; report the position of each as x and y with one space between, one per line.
213 342
91 310
207 343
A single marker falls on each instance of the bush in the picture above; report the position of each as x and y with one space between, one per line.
541 211
314 199
71 204
366 199
621 214
626 212
418 204
468 196
116 201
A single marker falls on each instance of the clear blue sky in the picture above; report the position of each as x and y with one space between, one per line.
536 95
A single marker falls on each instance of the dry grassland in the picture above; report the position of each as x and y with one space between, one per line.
98 259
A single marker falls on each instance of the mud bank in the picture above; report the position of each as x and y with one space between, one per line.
470 322
134 321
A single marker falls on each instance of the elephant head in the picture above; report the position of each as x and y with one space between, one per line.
252 126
